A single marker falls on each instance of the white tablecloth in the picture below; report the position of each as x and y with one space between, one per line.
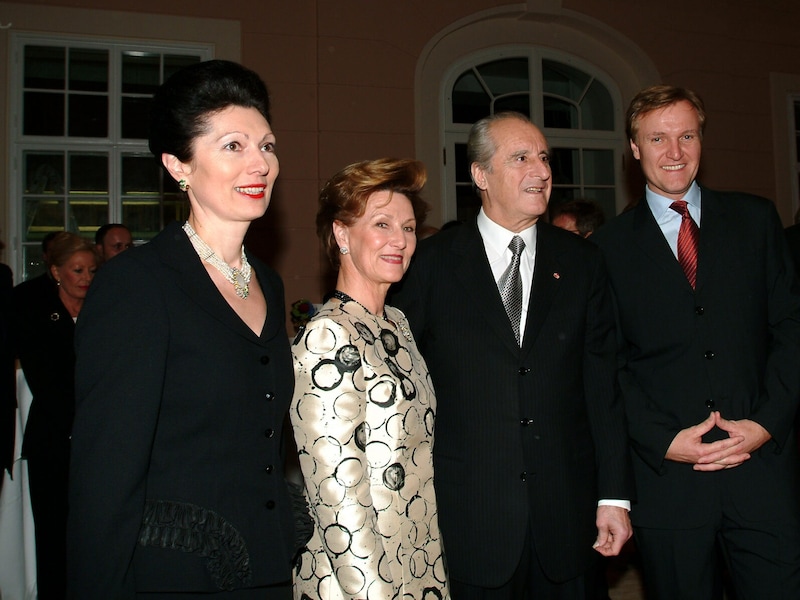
17 547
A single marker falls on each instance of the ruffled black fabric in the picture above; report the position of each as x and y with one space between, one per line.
190 528
303 523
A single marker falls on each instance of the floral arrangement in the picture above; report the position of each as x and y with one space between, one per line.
302 311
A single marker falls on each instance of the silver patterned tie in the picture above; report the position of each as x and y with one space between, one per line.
510 285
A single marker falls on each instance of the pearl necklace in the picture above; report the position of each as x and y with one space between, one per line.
239 278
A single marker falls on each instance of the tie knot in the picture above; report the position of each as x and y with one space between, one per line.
516 245
681 207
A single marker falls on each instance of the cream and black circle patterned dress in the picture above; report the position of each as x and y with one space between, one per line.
363 414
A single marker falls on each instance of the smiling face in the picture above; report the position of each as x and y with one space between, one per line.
516 187
76 275
381 242
668 145
234 166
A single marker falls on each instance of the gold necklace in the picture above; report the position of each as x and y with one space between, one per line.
239 278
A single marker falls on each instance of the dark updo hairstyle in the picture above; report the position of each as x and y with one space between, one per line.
344 197
182 105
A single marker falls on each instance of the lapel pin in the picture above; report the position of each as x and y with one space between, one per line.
556 276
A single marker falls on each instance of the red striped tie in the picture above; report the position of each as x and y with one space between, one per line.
688 235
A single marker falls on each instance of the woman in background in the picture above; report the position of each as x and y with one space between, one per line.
44 327
364 406
184 374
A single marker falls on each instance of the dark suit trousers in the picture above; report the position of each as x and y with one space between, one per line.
47 476
530 583
763 559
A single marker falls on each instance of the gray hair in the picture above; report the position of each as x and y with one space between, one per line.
480 145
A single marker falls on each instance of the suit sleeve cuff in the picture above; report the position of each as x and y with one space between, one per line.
626 504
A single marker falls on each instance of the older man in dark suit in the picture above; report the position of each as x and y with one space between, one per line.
709 324
515 322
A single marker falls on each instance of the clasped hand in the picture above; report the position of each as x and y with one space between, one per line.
744 437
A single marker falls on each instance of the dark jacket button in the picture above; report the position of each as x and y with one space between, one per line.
269 433
270 504
709 354
269 396
524 370
699 310
264 360
710 403
268 469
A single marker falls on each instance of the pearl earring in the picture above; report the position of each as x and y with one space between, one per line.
344 250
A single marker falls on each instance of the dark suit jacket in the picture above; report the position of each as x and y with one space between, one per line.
731 345
793 240
528 437
8 398
180 409
44 333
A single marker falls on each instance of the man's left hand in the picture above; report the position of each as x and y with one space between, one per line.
613 529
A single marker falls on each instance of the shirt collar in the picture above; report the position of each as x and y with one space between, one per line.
496 238
659 205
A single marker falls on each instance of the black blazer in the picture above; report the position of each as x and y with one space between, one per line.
177 469
8 398
793 240
44 333
731 345
524 437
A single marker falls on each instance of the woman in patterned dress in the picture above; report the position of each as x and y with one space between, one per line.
364 406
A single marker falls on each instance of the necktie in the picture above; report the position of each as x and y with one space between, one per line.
510 285
688 235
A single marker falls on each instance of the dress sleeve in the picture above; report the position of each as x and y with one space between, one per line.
122 338
329 417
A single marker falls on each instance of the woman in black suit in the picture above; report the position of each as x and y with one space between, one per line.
184 374
44 325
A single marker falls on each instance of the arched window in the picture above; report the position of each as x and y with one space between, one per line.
576 106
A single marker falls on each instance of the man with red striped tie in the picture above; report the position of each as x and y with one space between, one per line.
708 312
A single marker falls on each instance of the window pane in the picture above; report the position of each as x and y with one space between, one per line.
42 215
140 73
88 173
140 175
143 217
565 165
44 173
44 68
470 100
135 118
88 70
86 213
505 76
560 113
598 167
563 80
88 116
597 108
43 114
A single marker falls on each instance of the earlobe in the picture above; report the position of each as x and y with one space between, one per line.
177 169
478 177
635 150
340 234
